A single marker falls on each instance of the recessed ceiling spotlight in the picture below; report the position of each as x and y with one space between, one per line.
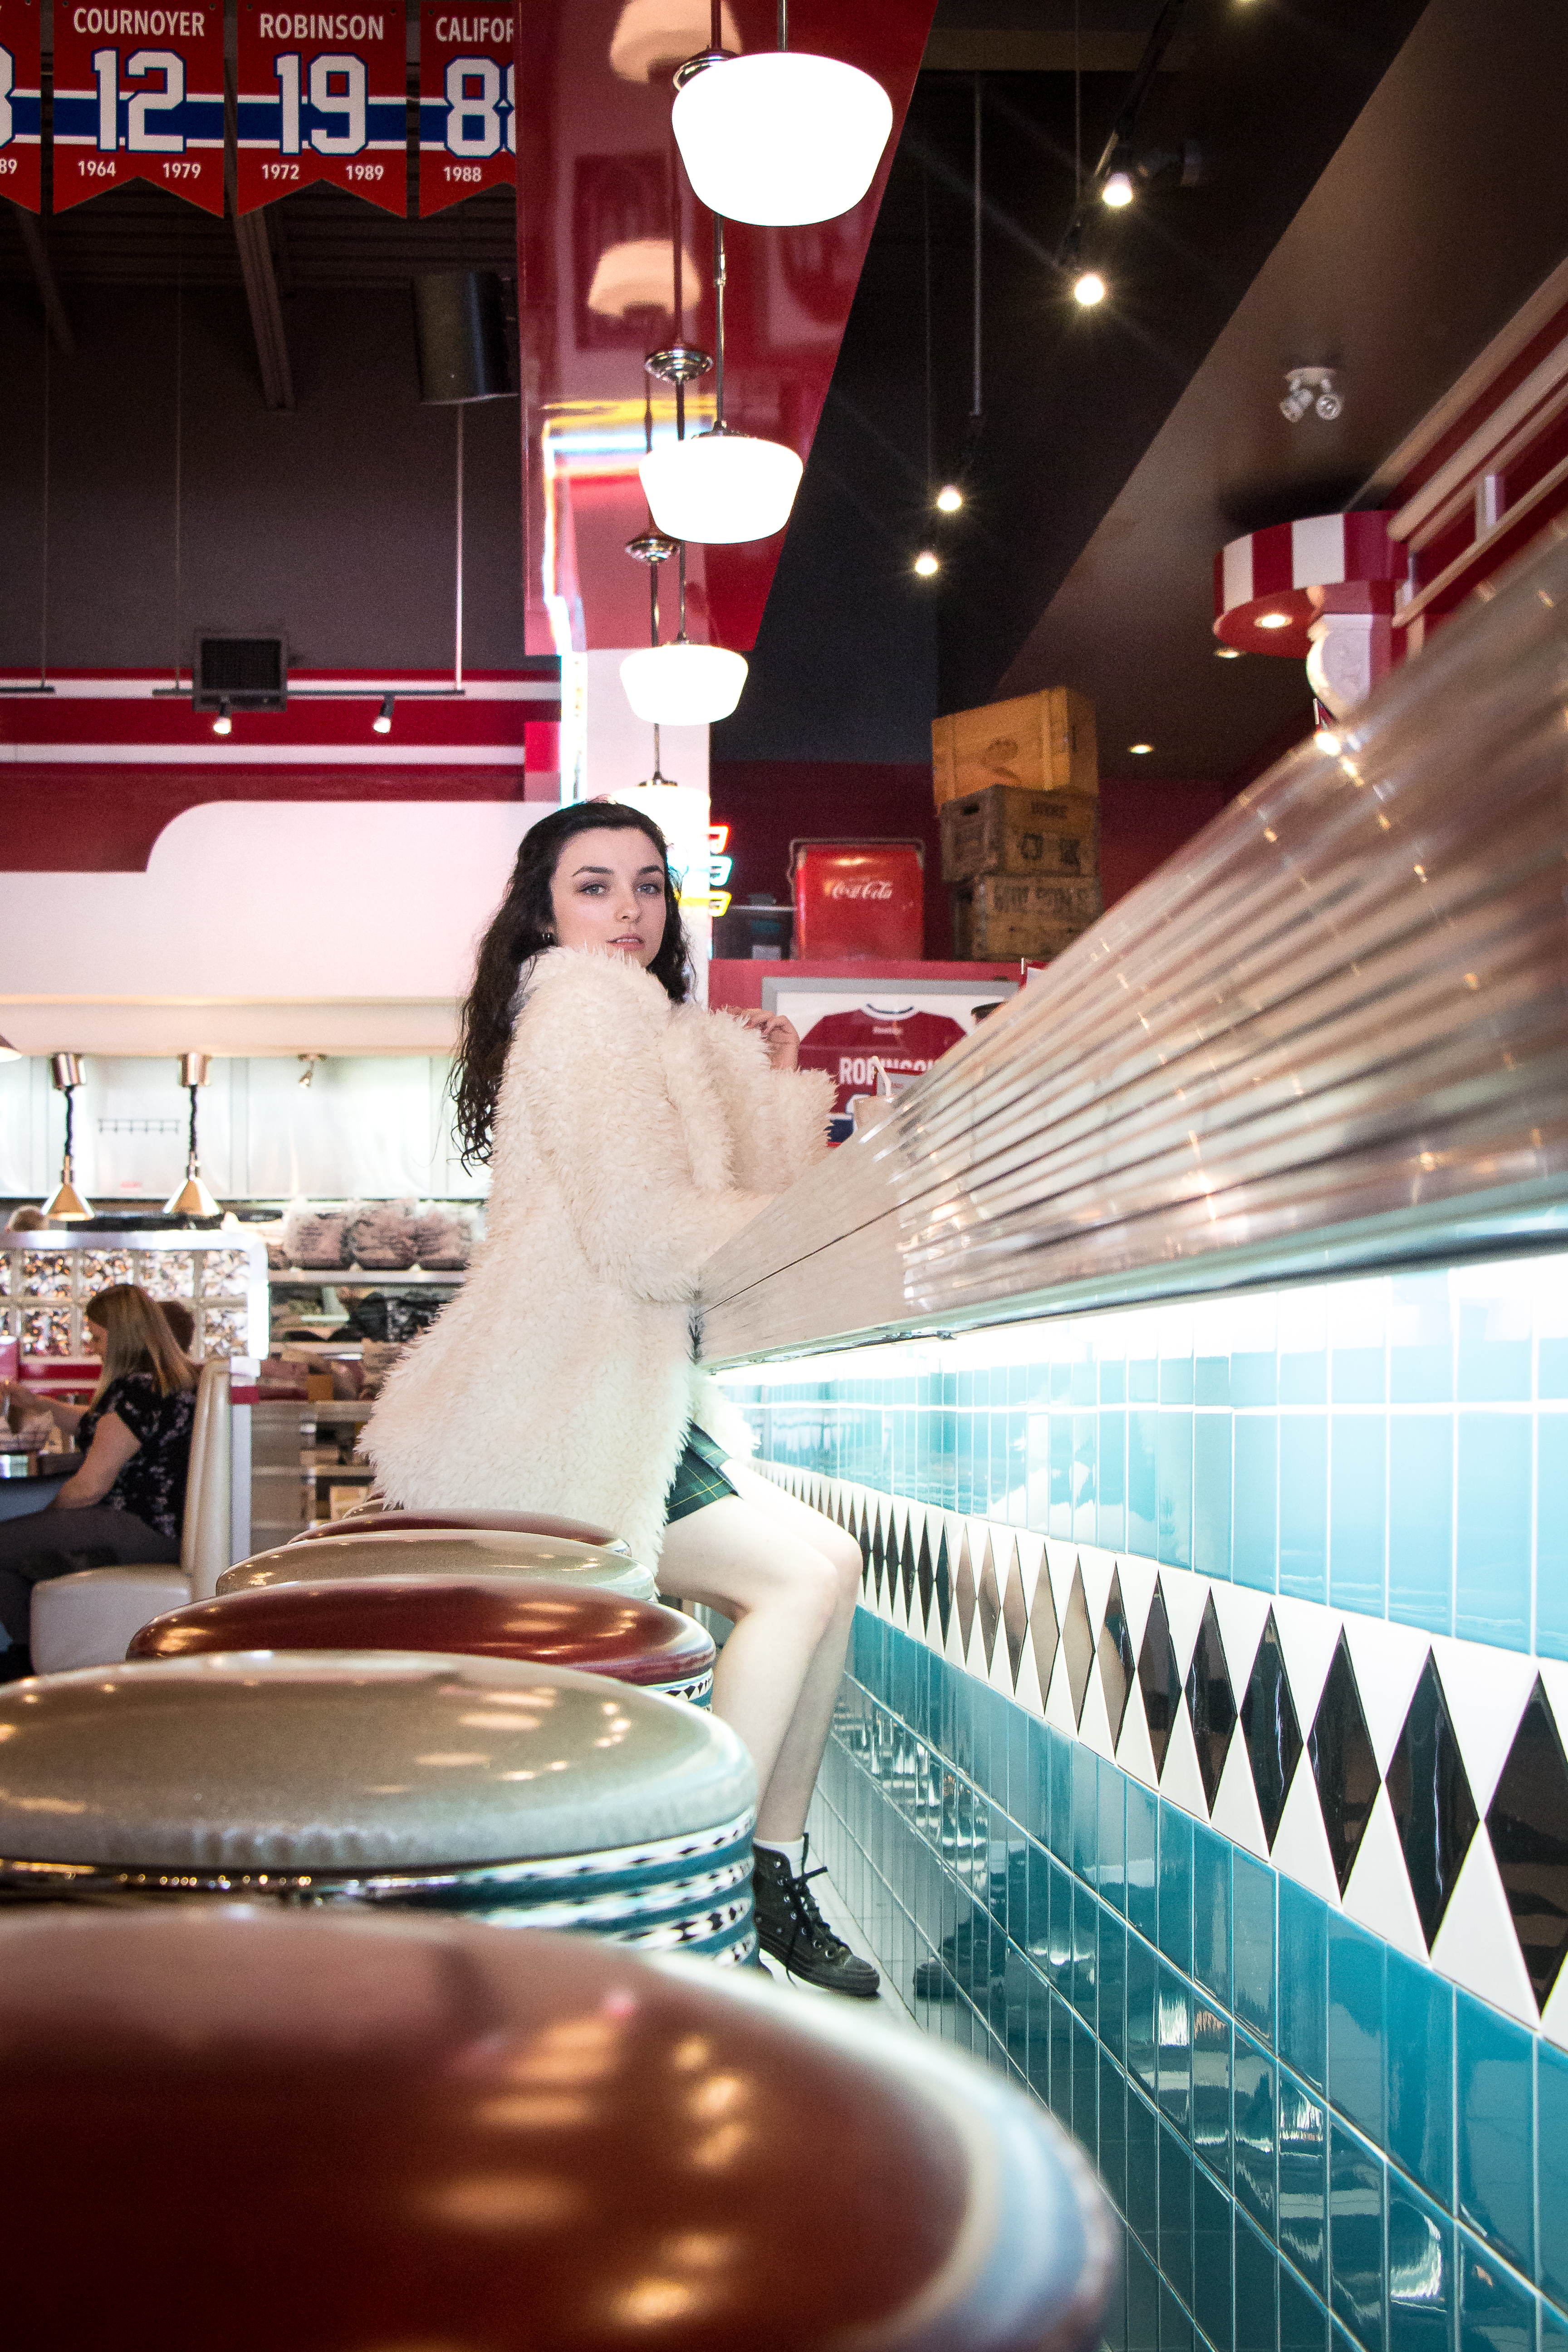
1140 751
1228 653
1088 289
949 498
1116 191
1274 620
926 562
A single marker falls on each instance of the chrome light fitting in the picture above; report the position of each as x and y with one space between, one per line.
679 684
1314 388
191 1198
720 487
782 137
68 1207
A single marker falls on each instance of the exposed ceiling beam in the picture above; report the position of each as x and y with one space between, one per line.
265 309
44 277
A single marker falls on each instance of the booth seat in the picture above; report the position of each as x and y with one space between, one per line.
87 1620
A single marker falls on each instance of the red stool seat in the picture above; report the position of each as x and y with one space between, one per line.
466 1552
348 2134
517 1523
599 1632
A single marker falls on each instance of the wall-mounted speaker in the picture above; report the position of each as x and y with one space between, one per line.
460 327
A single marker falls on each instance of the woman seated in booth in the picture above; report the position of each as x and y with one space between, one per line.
126 1502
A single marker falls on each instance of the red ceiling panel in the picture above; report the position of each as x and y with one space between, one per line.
600 195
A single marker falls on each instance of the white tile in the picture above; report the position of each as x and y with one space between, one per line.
952 1642
1098 1568
1378 1894
1094 1725
1059 1699
1308 1634
1031 1561
1137 1591
1029 1694
1476 1944
1487 1690
1182 1781
1388 1659
1133 1752
1235 1813
1554 2016
1300 1843
1554 1674
1186 1595
1242 1615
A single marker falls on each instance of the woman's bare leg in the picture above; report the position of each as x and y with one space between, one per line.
788 1577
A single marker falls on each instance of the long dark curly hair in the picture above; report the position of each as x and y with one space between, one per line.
521 928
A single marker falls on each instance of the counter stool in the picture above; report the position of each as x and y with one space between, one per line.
444 1551
598 1632
524 1523
511 1791
425 2136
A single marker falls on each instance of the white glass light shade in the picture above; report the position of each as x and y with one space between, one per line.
683 685
782 137
720 487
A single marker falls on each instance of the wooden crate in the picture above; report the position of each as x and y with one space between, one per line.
1006 831
1039 743
999 916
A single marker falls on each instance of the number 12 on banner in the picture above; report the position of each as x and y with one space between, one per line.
138 96
21 104
467 105
321 97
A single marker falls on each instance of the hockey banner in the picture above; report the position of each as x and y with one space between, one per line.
21 107
466 105
322 97
138 96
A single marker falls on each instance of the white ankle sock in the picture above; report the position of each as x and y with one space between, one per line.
792 1849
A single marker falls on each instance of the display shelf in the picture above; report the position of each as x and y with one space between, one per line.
48 1276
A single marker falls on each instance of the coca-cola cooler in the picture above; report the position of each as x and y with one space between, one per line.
858 898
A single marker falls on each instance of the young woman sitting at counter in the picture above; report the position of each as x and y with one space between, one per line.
126 1501
630 1132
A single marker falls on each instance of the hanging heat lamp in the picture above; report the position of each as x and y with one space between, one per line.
68 1207
192 1199
781 137
722 485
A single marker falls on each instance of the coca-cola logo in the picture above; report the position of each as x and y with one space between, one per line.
859 890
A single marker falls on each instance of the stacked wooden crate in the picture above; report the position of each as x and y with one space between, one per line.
1017 791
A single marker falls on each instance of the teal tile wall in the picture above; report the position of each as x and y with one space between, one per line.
1315 2143
1396 1446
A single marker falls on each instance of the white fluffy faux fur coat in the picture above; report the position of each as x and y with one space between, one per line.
632 1136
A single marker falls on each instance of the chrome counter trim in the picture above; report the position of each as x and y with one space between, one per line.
1333 1032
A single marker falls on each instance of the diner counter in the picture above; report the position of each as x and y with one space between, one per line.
1328 1035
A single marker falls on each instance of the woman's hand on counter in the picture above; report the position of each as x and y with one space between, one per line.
779 1035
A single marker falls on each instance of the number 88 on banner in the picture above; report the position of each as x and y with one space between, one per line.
138 96
322 96
468 105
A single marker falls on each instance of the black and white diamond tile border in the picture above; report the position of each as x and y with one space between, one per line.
1416 1783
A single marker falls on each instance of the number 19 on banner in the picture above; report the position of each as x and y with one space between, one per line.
321 97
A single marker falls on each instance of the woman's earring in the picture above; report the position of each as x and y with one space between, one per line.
550 938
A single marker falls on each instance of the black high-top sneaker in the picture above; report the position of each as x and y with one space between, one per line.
791 1930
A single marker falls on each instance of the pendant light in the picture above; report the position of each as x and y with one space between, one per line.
68 1207
680 684
192 1199
779 138
721 486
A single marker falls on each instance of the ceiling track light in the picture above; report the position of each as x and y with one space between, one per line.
1117 189
68 1207
723 487
223 724
949 498
381 723
1088 288
1314 388
779 138
928 563
192 1199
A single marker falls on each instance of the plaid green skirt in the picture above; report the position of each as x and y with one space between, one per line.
699 1477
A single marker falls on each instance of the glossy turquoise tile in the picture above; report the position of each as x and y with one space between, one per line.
1142 1529
1111 1451
1112 2010
1085 1810
1174 2056
1085 1988
1492 1565
1212 1476
1421 1520
1303 2320
1256 2103
1174 1464
1358 1448
1553 2329
1497 2311
1142 1379
1255 1541
1211 1912
1176 2212
1302 1982
1142 2207
1552 1537
1551 2186
1254 1377
1357 1375
1142 2301
1211 2109
1256 2299
1551 1369
1211 2280
1253 1891
1112 1379
1355 2235
1175 2323
1304 1505
1113 2130
1059 1520
1085 1476
1423 2285
1211 1381
1302 2165
1421 1348
1356 2030
1303 1376
1419 2054
1143 1859
1495 2118
1176 1380
1143 2007
1176 1886
1494 1351
1086 2090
